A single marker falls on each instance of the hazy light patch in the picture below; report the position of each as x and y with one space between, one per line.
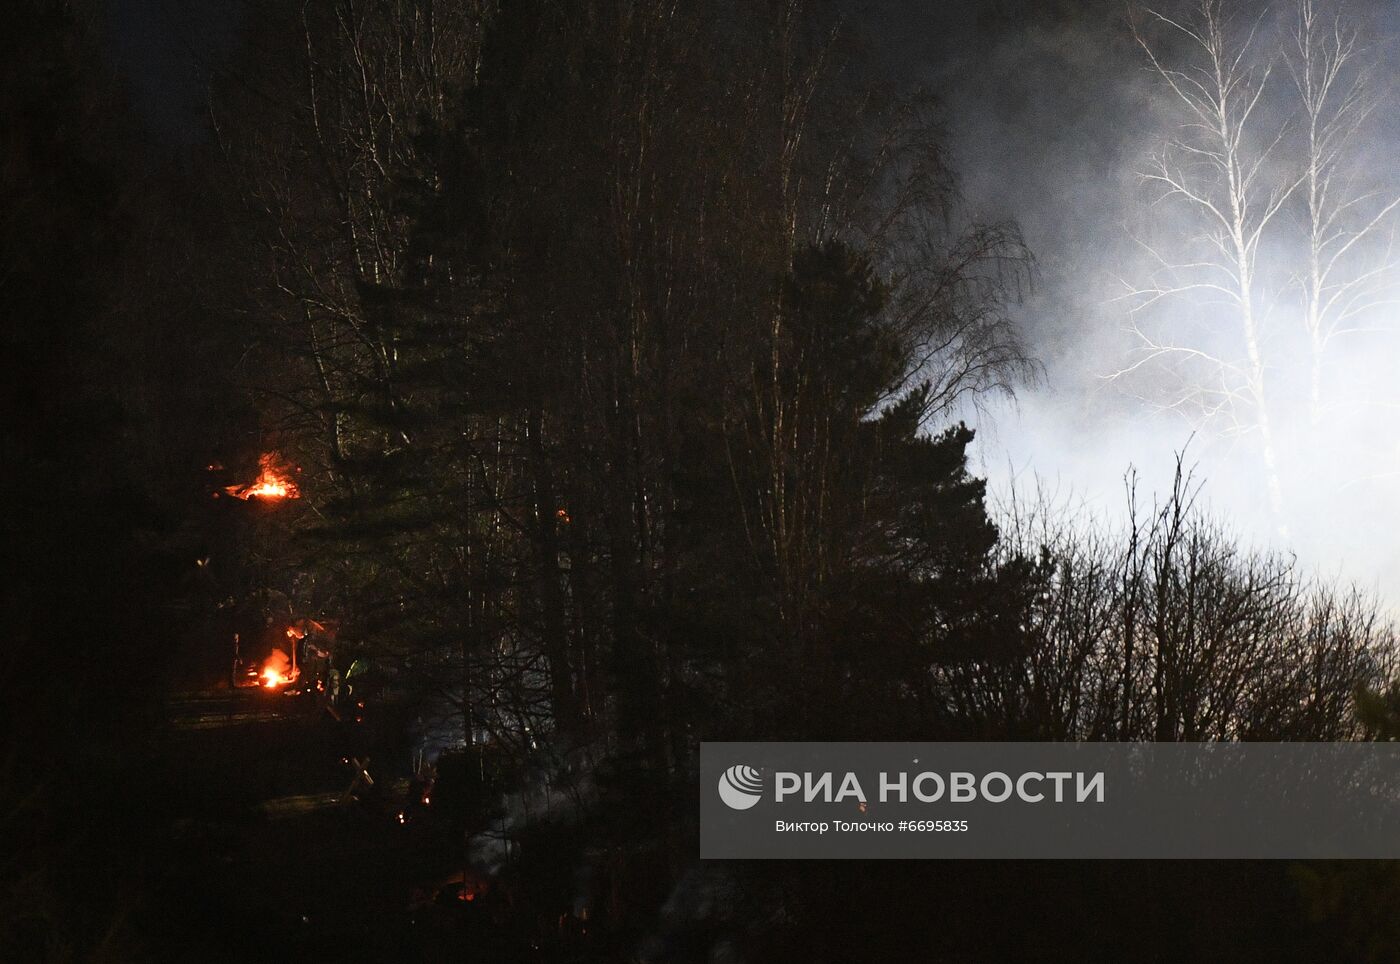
1053 114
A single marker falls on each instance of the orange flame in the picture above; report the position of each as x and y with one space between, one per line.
274 481
277 671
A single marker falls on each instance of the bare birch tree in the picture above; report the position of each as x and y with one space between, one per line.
1215 175
1349 242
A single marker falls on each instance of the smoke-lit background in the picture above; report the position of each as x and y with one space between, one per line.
1053 114
1055 111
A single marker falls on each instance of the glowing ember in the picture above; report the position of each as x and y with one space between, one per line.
274 481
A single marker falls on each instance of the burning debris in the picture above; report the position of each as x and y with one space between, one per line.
298 652
277 670
274 481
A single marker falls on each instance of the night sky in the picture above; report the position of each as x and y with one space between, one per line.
165 51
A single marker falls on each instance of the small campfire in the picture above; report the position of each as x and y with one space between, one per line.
274 481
